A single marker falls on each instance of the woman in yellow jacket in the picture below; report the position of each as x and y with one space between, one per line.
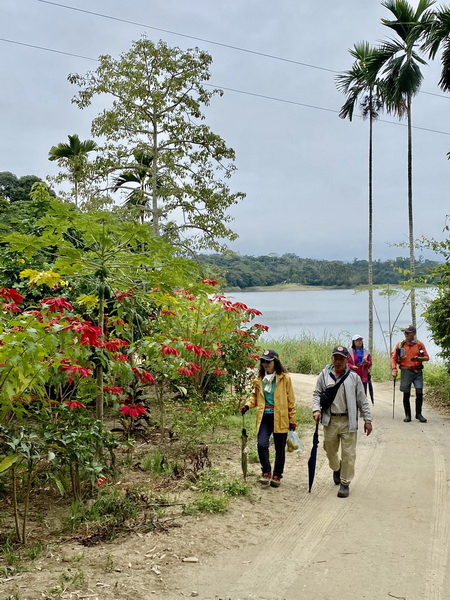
273 396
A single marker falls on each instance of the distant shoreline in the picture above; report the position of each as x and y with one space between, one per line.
292 287
282 287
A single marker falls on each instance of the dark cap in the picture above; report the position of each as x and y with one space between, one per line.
341 350
410 329
268 355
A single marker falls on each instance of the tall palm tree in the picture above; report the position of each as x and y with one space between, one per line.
139 180
397 63
73 157
361 90
436 37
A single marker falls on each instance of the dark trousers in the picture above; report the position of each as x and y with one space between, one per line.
279 440
407 404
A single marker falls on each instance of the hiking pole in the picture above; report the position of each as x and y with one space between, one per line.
393 399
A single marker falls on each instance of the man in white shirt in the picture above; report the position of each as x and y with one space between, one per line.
340 416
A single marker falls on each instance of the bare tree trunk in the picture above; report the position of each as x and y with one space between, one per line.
155 215
370 253
412 262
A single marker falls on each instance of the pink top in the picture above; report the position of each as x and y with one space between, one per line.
362 368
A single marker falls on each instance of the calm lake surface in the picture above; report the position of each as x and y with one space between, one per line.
336 313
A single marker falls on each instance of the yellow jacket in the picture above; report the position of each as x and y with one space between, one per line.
284 403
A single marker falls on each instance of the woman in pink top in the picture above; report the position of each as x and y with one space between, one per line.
359 360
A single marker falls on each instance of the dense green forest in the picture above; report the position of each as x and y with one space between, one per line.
250 271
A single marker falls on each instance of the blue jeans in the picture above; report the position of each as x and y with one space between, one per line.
279 440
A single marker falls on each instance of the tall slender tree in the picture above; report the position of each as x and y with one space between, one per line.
397 63
361 90
73 157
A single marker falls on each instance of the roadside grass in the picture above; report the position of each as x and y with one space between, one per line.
309 355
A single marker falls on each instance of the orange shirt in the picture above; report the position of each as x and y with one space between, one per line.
411 351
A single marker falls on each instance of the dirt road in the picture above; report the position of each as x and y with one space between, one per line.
389 539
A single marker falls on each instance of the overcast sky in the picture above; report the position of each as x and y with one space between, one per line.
304 170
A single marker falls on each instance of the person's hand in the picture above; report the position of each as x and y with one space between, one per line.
367 427
244 409
292 426
316 416
394 373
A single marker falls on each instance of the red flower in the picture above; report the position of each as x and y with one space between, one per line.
229 308
187 294
73 404
121 357
253 311
209 281
115 345
112 389
170 350
240 305
89 334
194 367
12 307
56 304
184 371
11 294
198 350
101 481
219 371
143 376
83 371
240 332
168 313
262 327
121 295
133 410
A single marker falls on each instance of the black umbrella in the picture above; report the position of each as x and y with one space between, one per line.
244 449
370 386
313 457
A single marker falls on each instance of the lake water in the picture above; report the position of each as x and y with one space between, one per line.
336 313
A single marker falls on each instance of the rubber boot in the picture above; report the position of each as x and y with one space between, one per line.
419 402
407 407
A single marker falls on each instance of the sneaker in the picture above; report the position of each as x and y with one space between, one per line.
421 418
265 479
337 476
407 419
343 491
275 481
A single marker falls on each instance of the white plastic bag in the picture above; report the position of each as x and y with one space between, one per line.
293 442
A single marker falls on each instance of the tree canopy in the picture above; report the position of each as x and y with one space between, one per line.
157 96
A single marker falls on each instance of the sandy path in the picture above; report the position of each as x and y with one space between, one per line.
389 539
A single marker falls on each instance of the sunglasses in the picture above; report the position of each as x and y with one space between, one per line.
265 362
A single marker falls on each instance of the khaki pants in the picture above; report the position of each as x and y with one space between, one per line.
336 434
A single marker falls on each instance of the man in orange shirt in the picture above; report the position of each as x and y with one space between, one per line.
409 355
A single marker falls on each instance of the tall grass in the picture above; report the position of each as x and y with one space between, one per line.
309 355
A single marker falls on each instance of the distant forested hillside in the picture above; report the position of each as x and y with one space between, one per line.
251 271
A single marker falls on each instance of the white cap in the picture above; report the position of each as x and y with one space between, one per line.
357 337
